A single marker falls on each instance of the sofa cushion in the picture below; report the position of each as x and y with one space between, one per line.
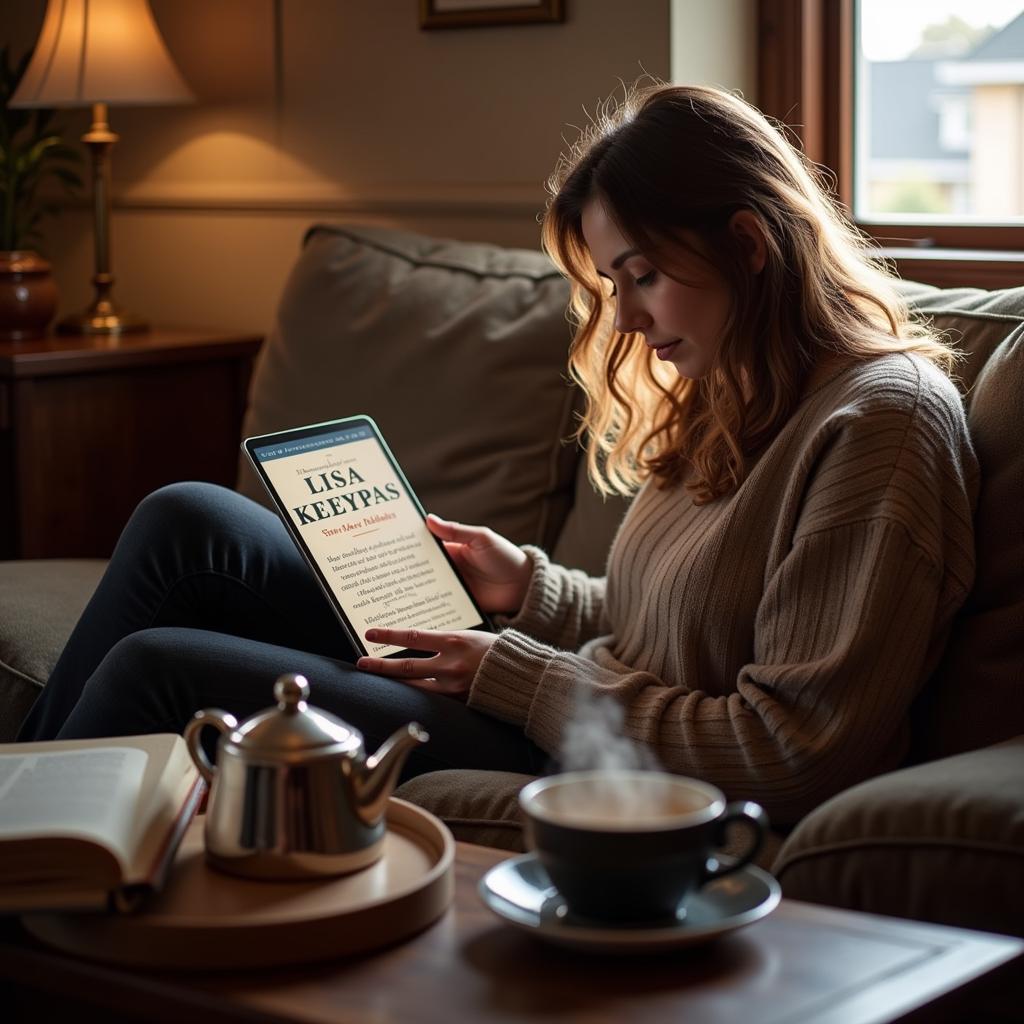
977 696
41 601
974 320
479 807
458 350
941 842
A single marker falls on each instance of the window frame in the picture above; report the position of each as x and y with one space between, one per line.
805 80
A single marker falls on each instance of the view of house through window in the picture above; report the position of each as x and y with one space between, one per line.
939 111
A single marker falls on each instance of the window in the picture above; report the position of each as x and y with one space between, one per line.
918 108
939 111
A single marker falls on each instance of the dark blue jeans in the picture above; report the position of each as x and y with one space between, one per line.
204 604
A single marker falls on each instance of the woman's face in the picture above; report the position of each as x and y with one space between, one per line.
682 323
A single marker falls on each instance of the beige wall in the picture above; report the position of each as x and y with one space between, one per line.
345 110
714 42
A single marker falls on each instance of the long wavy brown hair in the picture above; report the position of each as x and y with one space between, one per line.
672 164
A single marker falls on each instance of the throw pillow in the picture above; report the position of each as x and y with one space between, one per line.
458 350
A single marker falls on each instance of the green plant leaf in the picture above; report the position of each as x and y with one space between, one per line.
32 150
35 154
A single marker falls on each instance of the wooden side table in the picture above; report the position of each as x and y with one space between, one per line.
801 965
90 425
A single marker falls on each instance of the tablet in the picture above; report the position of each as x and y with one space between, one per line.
352 514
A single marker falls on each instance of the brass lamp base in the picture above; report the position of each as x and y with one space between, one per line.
102 316
93 321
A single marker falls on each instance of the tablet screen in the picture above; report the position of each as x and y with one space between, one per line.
349 506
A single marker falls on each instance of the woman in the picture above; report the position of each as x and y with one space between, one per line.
783 582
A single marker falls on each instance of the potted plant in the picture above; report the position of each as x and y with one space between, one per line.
31 152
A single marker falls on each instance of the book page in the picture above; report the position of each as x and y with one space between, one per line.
167 802
89 793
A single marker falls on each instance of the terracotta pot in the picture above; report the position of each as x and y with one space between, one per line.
28 295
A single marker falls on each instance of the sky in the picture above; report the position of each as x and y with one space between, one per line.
890 29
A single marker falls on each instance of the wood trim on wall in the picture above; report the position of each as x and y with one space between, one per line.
790 74
511 201
837 89
957 268
434 15
805 78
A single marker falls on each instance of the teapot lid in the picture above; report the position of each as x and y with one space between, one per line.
294 726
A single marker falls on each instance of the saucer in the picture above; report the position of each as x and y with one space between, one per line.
520 892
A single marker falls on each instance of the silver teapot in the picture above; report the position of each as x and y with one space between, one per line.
293 794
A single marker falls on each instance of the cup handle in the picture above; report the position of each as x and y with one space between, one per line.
219 720
756 821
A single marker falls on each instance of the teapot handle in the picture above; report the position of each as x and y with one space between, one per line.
221 720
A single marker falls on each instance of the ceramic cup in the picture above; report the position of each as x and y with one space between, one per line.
629 845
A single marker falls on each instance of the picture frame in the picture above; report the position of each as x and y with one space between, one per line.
478 13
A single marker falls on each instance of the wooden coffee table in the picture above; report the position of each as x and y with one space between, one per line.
802 963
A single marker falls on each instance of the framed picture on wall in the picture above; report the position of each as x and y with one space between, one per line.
469 13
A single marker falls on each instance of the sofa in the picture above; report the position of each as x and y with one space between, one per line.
458 351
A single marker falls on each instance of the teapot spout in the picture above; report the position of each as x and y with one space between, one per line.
375 784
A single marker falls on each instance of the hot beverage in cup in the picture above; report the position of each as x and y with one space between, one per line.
630 846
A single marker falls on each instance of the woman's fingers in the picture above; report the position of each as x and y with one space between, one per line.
446 533
411 639
459 533
401 668
450 670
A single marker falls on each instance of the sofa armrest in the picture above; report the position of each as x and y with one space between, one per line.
40 602
941 842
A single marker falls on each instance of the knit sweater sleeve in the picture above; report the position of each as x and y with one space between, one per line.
854 614
563 607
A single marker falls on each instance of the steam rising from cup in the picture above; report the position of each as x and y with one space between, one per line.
594 740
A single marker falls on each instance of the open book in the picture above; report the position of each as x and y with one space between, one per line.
92 824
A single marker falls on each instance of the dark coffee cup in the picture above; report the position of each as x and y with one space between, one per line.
630 846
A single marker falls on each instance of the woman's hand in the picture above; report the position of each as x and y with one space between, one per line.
495 570
450 671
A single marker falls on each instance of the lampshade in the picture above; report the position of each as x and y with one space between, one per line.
100 51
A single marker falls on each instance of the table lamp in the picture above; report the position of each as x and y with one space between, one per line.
97 53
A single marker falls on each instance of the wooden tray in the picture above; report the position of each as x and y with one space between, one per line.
205 919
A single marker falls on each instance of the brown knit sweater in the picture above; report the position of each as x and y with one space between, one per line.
771 641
